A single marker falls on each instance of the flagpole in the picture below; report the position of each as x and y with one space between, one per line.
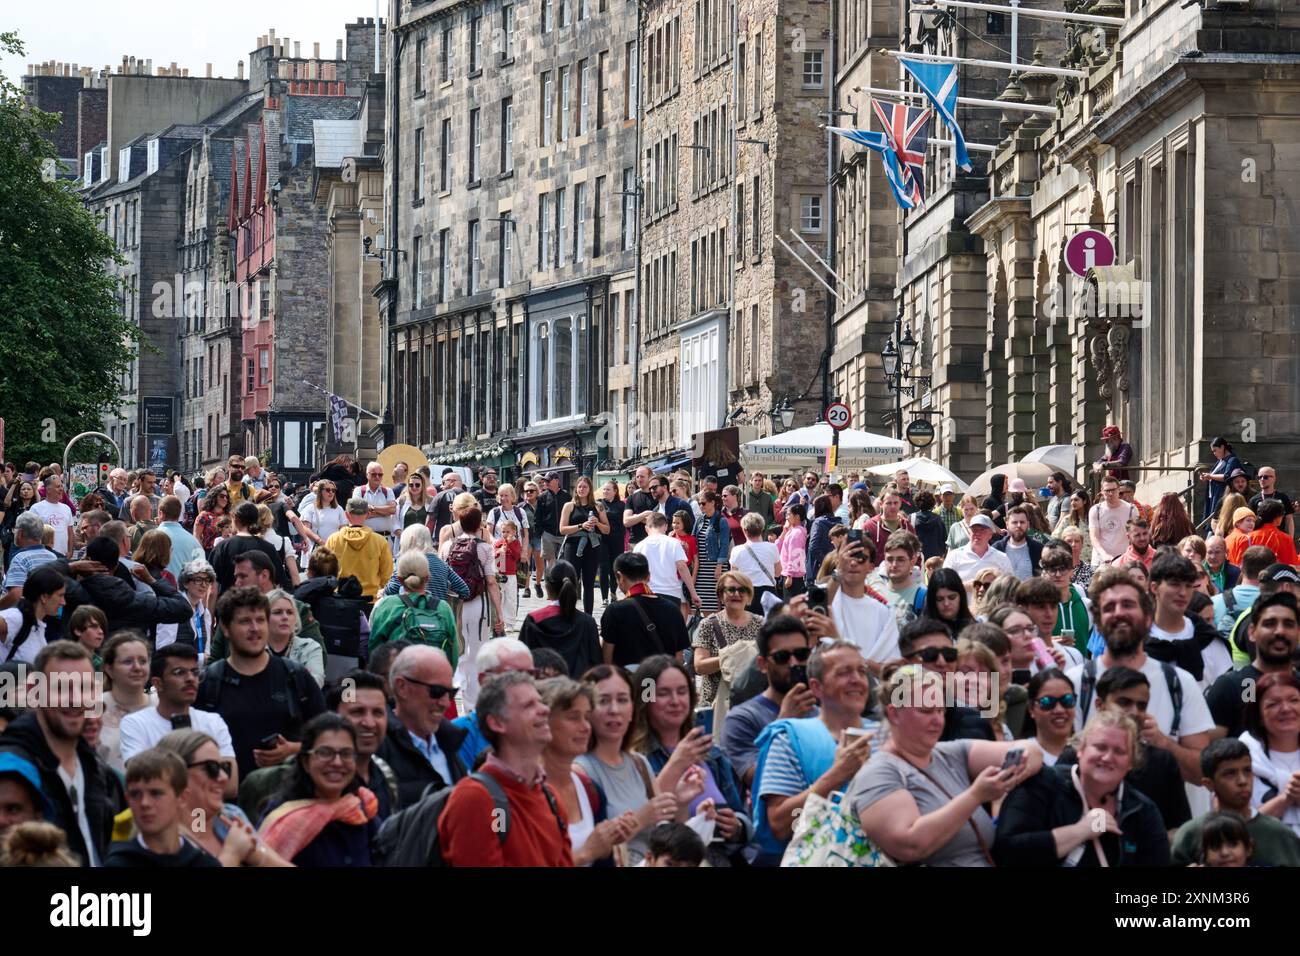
824 265
978 147
965 100
1023 11
326 391
992 64
811 270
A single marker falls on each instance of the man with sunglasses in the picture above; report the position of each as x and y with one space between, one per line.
929 643
783 643
420 746
174 674
238 489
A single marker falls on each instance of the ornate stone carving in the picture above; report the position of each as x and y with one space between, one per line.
1100 365
1117 339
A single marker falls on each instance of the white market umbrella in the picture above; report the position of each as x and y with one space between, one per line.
1057 457
922 469
1034 473
805 449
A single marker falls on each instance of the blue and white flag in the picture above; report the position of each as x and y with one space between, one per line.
904 191
938 81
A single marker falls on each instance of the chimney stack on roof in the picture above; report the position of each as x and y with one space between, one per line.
338 49
240 74
297 49
315 51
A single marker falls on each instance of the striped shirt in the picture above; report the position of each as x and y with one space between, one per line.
441 576
783 775
24 563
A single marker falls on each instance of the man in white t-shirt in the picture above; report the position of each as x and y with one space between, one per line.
978 554
1173 581
56 514
1124 614
1108 524
380 517
858 616
668 567
174 672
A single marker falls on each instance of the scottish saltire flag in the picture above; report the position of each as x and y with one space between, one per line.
904 192
906 129
938 81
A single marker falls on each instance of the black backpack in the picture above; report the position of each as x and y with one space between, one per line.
409 837
1171 680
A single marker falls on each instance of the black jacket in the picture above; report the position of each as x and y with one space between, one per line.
344 480
126 607
965 723
412 770
1035 550
624 627
337 606
576 640
1186 654
104 798
1048 800
549 507
929 527
130 854
1159 777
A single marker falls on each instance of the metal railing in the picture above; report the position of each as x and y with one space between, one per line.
1188 494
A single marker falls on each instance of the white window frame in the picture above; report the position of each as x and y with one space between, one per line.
805 213
816 59
475 263
579 221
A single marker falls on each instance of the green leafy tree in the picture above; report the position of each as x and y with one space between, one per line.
63 340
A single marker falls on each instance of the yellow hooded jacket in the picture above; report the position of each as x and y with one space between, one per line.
364 555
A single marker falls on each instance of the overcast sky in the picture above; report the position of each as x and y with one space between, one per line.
100 32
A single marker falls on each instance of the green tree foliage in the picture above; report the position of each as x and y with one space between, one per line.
63 340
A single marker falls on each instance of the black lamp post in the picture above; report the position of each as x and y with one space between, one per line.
782 415
898 362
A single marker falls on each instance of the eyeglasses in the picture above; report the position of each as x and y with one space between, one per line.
1029 629
1054 572
200 579
1049 703
272 487
435 690
213 768
800 654
185 672
329 754
735 590
931 654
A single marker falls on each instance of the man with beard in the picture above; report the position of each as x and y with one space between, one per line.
1275 630
486 494
85 794
1177 718
1139 545
783 644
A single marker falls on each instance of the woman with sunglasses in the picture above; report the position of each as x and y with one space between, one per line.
209 822
1085 814
320 515
216 505
733 624
1049 720
323 816
414 504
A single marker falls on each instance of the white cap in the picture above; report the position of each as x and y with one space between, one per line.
948 489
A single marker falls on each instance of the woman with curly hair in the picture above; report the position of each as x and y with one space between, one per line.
1170 523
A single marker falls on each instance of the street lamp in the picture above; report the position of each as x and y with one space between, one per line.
898 363
782 415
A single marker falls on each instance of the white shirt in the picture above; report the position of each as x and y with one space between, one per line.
663 552
13 617
967 563
77 785
324 521
1195 717
1215 655
59 517
181 491
757 560
867 623
377 499
143 729
1107 526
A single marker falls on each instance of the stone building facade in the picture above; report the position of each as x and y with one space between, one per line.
1181 146
509 245
732 157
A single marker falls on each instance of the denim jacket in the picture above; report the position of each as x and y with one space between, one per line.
724 776
718 542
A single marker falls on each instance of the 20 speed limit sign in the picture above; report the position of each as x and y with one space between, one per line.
838 416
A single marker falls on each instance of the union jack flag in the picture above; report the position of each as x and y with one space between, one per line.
907 129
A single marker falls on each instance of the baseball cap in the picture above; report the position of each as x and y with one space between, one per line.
859 486
948 489
982 521
1241 513
1279 572
14 765
357 506
1018 484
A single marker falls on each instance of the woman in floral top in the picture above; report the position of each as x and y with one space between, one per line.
729 626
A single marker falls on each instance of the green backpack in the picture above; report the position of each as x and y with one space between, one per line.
423 625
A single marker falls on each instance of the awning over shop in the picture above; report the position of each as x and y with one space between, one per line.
805 448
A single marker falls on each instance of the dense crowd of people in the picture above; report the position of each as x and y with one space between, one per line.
787 670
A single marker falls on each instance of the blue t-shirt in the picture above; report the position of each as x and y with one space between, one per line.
475 742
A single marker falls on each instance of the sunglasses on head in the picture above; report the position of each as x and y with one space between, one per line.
213 768
1049 703
931 654
801 654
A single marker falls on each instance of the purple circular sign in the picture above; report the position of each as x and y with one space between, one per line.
1088 249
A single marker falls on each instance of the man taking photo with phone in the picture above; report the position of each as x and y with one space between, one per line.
859 617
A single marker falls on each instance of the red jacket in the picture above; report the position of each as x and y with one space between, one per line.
469 835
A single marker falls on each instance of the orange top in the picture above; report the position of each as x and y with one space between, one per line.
1237 545
1277 541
